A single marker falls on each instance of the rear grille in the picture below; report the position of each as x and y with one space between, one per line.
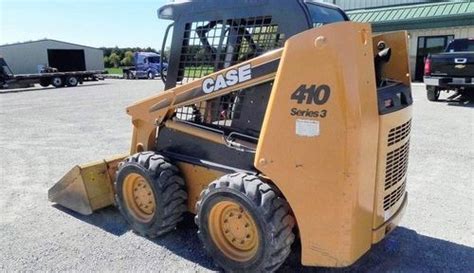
399 133
392 198
396 166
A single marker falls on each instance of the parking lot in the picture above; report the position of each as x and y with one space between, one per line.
46 131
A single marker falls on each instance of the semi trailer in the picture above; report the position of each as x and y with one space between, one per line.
56 79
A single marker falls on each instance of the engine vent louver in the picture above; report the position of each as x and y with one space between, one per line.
399 133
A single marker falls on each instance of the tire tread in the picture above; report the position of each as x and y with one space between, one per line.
168 181
266 201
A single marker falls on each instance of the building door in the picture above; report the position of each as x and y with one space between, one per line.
66 60
429 45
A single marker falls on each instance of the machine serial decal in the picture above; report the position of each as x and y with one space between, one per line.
307 128
230 78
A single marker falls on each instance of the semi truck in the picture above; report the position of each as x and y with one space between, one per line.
56 79
147 65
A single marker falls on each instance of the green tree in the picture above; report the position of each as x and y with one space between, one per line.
107 62
114 59
166 53
127 59
112 53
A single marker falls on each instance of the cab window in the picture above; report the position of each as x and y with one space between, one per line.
141 59
462 45
154 60
321 15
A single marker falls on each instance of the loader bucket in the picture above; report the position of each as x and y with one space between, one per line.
86 188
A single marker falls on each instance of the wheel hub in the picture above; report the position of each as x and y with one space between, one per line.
233 230
139 197
72 81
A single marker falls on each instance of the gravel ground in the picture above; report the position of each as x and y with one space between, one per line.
44 132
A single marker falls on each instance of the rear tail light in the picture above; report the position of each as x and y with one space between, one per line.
388 103
427 66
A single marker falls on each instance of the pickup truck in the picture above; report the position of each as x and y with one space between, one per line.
452 70
49 77
147 65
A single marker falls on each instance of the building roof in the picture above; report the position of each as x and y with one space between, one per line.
48 40
419 16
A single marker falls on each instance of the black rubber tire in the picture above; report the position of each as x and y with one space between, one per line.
57 82
45 82
72 81
469 94
168 189
432 93
151 76
164 74
270 212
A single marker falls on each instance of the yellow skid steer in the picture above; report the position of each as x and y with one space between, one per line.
281 121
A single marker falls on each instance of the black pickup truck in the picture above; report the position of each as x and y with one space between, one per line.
452 70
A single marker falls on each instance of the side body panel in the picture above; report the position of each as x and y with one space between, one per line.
398 68
201 177
323 158
392 164
394 137
150 112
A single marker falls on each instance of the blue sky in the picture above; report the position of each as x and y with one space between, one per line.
123 23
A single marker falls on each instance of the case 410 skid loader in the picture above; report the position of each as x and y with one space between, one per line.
281 121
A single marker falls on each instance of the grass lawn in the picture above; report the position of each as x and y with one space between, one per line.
115 70
198 72
190 72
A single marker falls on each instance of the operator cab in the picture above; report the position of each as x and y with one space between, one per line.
5 72
153 60
206 39
147 57
321 14
5 69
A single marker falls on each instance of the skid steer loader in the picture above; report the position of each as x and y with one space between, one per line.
281 121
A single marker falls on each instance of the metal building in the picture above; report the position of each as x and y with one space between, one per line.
26 58
431 25
359 4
